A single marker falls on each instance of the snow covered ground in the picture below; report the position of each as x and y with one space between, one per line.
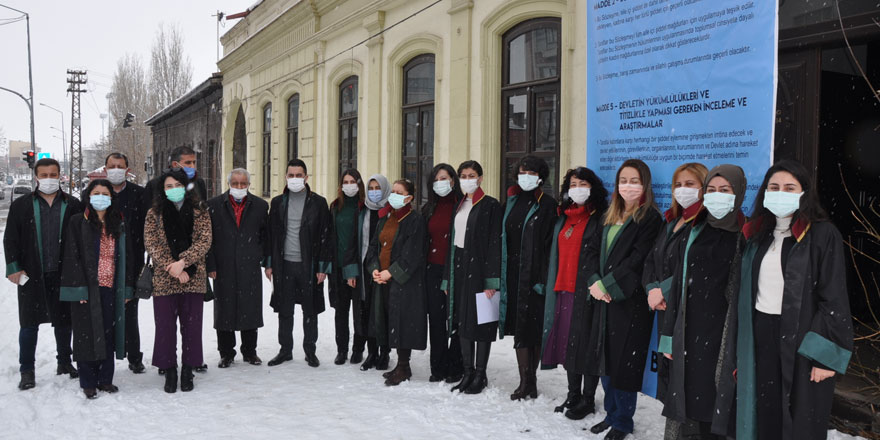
292 399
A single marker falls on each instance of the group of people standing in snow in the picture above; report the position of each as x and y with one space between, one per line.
581 282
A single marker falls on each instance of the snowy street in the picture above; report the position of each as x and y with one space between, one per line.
248 401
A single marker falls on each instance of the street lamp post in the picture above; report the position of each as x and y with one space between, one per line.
63 137
30 102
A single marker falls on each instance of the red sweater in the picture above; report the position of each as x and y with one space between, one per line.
439 230
570 247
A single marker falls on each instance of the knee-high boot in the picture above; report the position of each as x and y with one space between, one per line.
523 363
467 361
574 392
482 360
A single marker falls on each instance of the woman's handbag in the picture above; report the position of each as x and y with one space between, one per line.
144 285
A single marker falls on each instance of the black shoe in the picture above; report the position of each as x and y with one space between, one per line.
108 388
454 378
170 379
340 358
382 362
436 378
600 427
186 379
582 409
465 382
572 401
479 383
225 362
27 380
161 372
369 362
280 359
136 367
615 435
67 368
312 360
200 369
357 357
90 393
253 360
401 374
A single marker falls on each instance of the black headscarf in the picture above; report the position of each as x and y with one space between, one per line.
737 179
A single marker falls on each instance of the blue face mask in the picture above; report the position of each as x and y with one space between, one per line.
528 182
190 172
397 201
782 204
375 195
719 204
175 194
100 202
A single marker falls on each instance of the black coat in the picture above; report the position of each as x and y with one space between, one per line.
79 281
406 293
815 331
534 256
350 266
693 328
237 254
621 330
317 253
22 244
481 259
130 201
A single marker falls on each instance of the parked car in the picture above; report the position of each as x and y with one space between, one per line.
21 189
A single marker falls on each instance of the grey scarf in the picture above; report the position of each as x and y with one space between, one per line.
737 179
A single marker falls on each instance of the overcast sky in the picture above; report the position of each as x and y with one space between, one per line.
91 35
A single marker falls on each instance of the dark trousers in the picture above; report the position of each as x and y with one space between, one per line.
590 383
167 310
620 406
296 278
132 332
27 336
94 373
768 376
345 302
445 351
226 343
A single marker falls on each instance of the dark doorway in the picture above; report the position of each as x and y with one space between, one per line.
239 141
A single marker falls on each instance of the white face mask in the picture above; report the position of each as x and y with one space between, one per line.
48 185
350 189
238 193
442 188
296 184
719 204
116 175
528 182
686 197
579 195
468 186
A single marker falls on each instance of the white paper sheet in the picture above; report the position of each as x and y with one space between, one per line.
487 309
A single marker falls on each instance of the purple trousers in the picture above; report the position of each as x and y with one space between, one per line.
167 310
557 340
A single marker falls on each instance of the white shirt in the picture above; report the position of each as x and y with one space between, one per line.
771 282
460 224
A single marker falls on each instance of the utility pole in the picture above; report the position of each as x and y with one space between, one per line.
76 79
219 16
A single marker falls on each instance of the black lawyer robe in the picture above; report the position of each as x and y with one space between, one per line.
317 254
130 201
481 260
815 331
693 328
407 300
79 281
621 329
236 255
22 245
350 265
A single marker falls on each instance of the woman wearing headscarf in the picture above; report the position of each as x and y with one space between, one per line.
621 325
98 279
697 302
687 203
568 307
378 190
792 316
529 216
438 213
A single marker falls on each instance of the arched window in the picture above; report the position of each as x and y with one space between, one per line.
293 127
348 113
418 123
239 142
267 150
530 89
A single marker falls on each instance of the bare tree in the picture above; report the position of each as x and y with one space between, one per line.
130 94
170 68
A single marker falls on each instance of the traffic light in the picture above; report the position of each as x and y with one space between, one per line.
129 118
29 157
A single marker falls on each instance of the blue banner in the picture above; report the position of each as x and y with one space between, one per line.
671 82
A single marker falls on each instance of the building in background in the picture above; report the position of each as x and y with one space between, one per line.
17 166
395 87
193 120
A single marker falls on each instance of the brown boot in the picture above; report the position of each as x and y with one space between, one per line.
402 371
522 361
